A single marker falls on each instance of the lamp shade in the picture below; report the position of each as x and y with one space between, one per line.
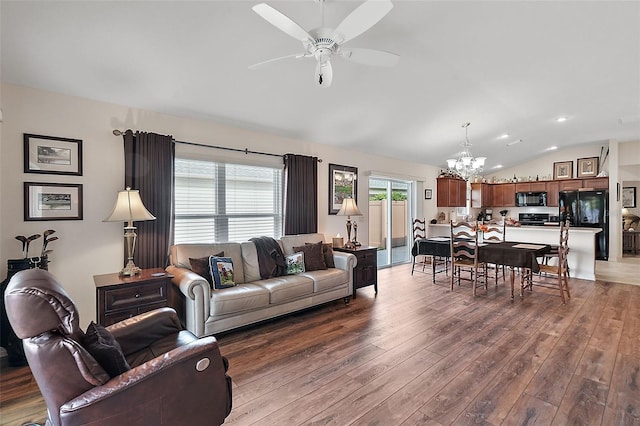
349 208
129 208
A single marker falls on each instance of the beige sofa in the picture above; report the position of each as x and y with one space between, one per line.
208 311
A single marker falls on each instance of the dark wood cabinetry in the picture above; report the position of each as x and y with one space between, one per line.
552 188
503 195
366 271
119 298
531 187
596 183
481 195
451 192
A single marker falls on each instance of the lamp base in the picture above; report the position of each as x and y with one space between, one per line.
349 245
130 270
355 243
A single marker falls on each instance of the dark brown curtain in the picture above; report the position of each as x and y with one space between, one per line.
301 194
149 161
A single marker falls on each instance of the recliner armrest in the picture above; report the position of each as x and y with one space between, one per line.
134 334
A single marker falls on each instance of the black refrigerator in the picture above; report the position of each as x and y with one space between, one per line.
588 209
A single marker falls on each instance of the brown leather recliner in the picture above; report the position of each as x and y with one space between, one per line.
175 378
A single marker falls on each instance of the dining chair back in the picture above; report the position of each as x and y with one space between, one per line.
464 255
496 233
419 232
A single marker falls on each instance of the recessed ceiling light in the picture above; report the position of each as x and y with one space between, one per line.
514 142
561 119
498 166
504 136
551 148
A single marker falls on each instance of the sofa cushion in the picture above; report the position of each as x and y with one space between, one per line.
222 272
288 242
327 279
180 253
105 349
200 266
295 263
241 298
282 289
313 256
250 261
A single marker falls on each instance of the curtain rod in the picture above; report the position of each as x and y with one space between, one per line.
247 151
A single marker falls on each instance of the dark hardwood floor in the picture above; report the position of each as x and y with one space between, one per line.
418 354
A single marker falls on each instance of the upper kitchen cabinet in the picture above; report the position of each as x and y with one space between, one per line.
503 195
531 187
552 188
451 192
596 183
481 195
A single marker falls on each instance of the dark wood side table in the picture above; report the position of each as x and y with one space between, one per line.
366 271
119 298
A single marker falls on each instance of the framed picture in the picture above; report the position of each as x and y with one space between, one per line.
52 155
563 170
52 201
629 196
343 183
588 167
428 194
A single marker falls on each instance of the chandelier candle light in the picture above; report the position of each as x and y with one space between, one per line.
348 209
129 208
465 165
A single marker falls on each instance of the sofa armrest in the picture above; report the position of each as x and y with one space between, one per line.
344 261
187 281
197 297
142 330
169 387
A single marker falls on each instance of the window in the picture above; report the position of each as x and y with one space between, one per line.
220 202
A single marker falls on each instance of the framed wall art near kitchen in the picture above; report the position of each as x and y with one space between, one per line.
587 167
52 201
52 155
629 196
428 194
563 170
343 183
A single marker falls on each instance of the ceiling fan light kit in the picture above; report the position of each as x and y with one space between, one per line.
324 43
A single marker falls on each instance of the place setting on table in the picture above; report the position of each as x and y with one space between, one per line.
513 254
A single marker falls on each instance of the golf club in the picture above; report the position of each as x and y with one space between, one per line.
45 243
31 238
23 240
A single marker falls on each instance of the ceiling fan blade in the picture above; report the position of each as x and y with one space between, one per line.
260 64
361 19
324 73
281 21
378 58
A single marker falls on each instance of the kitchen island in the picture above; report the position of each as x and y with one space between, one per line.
582 246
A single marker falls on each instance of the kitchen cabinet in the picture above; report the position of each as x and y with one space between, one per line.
552 188
504 195
570 184
530 187
481 195
451 192
596 183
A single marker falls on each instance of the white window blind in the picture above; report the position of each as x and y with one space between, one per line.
220 202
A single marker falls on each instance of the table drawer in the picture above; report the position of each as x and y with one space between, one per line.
135 296
117 316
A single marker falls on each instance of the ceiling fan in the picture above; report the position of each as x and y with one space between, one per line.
324 43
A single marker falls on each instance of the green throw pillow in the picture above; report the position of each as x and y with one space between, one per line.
295 263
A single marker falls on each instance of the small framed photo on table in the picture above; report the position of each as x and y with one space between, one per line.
563 170
52 201
588 167
52 155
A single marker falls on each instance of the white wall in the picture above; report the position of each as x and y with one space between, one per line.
90 247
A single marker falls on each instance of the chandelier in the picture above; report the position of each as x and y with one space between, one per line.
465 165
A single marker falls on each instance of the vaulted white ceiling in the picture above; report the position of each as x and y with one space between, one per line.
505 66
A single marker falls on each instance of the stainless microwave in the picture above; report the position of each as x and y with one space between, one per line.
525 199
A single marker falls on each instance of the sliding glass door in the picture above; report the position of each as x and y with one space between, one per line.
390 219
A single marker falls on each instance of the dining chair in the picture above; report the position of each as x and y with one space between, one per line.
496 233
464 255
560 270
419 232
553 254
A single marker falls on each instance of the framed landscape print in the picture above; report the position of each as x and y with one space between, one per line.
343 183
629 196
563 170
588 167
52 201
52 155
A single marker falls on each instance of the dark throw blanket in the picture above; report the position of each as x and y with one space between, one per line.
270 257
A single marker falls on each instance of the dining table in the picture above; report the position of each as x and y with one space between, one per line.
513 254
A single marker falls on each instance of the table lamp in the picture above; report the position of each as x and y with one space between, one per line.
349 208
129 208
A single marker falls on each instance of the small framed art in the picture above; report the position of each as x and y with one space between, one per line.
343 183
629 197
587 167
563 170
52 155
428 194
52 201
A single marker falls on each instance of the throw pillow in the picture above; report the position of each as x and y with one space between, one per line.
105 349
327 251
222 272
201 267
295 263
313 257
